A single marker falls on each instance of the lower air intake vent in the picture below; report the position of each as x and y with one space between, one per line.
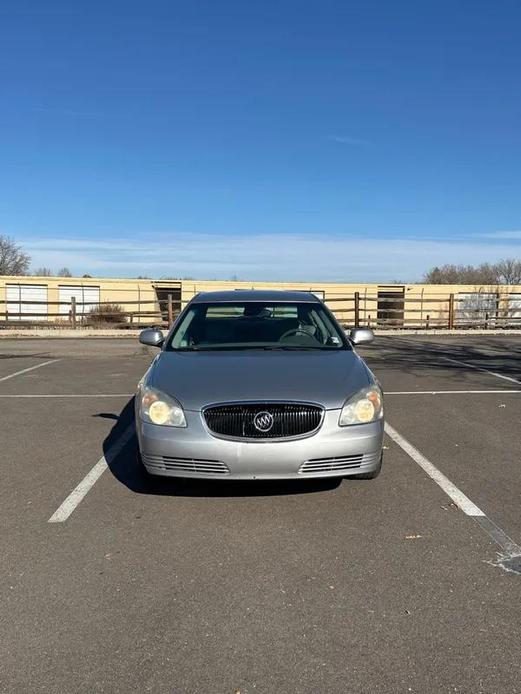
339 464
163 462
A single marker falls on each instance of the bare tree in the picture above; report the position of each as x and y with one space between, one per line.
509 271
64 272
13 261
504 272
43 272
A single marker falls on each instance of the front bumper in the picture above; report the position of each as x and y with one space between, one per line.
193 451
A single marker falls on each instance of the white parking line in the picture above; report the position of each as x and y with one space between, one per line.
480 368
71 395
31 368
448 392
80 491
459 498
510 548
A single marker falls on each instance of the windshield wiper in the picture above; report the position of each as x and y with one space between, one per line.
216 348
239 348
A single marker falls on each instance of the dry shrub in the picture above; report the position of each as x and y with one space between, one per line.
105 313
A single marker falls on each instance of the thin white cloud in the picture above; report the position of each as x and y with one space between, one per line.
509 235
277 257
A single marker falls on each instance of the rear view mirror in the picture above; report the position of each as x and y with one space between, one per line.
153 337
361 336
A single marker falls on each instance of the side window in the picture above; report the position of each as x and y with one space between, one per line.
322 331
180 338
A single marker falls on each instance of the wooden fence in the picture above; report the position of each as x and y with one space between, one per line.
448 311
106 314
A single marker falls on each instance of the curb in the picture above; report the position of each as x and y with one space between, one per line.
115 333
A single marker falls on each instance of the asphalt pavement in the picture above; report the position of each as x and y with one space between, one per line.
170 586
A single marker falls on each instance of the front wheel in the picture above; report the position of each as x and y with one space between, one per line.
369 475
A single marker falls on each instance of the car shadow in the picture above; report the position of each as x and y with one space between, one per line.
123 462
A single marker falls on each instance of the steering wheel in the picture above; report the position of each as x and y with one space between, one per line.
296 331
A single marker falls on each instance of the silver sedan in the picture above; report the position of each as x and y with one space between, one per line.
259 385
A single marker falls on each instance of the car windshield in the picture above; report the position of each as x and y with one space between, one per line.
257 325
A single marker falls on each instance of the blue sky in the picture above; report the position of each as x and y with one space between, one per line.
320 140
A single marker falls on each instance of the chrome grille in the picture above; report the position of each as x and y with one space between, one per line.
288 420
164 462
337 464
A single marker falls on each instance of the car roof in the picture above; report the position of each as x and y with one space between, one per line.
264 295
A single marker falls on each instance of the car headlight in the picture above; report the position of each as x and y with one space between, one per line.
364 407
159 408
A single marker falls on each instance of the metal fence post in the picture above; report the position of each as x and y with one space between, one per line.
73 311
451 311
357 309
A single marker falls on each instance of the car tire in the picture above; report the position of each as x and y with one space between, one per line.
369 475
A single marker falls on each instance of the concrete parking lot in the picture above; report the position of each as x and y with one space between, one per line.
408 583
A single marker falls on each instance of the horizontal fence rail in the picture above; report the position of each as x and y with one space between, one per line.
128 313
488 310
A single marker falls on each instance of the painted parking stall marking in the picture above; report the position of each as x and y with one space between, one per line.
480 368
459 498
511 557
30 368
407 343
81 490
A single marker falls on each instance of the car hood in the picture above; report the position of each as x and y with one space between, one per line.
197 379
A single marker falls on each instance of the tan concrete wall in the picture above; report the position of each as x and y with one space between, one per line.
339 296
130 294
433 301
421 300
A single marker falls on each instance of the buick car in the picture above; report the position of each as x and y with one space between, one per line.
252 385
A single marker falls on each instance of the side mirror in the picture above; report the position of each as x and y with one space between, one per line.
361 336
153 337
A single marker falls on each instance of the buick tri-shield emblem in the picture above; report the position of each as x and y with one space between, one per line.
263 421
